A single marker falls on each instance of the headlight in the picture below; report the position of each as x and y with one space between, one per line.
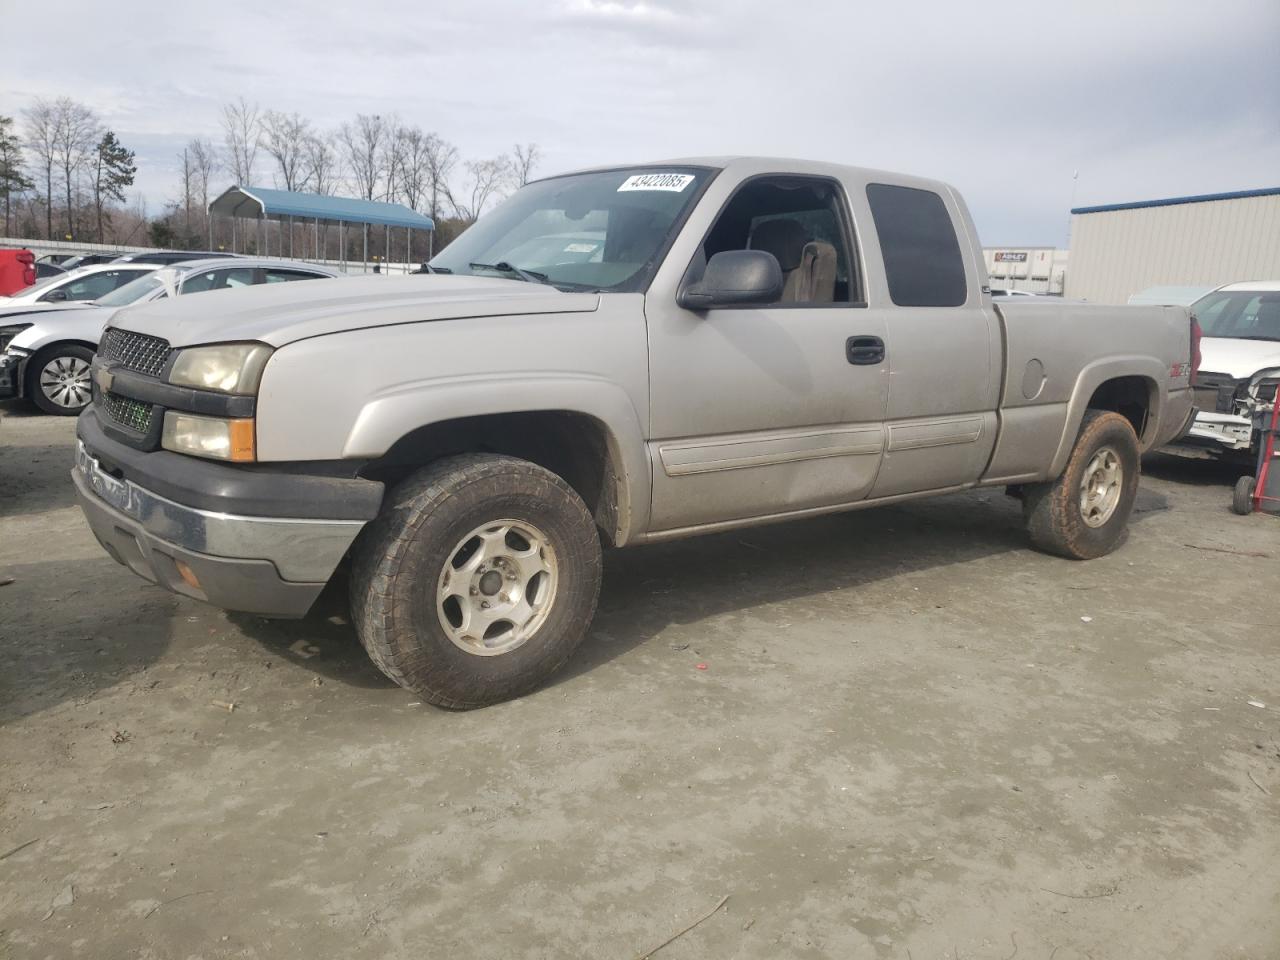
228 367
1263 384
210 437
7 333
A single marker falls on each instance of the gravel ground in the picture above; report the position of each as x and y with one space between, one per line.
913 737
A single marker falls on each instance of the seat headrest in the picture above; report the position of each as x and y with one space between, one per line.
784 238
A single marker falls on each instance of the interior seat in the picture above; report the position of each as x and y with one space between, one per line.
808 266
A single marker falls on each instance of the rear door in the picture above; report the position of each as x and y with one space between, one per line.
943 345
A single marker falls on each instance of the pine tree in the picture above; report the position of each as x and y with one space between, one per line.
12 177
114 170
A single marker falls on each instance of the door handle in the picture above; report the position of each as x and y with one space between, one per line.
864 351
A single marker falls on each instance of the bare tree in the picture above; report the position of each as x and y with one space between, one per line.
188 186
241 127
362 144
204 160
415 169
442 158
284 136
321 164
41 135
392 154
75 133
486 178
524 159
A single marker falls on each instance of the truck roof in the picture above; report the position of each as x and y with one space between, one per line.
751 165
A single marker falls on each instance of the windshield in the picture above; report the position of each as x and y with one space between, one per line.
134 290
1239 314
587 231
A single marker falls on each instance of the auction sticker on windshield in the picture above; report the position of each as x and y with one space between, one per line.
675 182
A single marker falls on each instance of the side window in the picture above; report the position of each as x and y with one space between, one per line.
118 280
218 280
276 275
94 286
230 279
922 259
199 282
801 221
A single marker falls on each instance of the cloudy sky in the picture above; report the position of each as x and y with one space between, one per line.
1004 100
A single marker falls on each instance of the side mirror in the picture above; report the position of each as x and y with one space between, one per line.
54 296
735 278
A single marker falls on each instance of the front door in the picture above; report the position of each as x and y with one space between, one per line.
773 408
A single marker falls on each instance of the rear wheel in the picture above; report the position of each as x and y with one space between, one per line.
478 581
1083 514
58 380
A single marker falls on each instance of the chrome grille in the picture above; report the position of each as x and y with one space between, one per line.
135 351
127 411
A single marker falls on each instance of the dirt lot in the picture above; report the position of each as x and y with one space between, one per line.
913 738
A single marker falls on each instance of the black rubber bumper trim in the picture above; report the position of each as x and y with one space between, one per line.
10 377
187 399
251 492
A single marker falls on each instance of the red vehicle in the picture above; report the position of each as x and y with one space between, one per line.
17 271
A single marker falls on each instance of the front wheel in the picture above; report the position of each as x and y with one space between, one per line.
1083 514
478 581
58 381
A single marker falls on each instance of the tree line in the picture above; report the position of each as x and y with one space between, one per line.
64 154
64 174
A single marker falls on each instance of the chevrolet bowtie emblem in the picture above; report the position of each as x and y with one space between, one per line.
103 377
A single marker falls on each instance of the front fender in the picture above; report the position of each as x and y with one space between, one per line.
387 417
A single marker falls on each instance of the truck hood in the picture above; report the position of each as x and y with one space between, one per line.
1238 359
281 313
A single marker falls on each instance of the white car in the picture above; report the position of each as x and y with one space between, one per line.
46 353
77 286
1241 324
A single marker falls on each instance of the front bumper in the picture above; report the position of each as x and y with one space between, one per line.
11 366
270 565
1223 431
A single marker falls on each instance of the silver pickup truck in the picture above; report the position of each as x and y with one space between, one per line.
610 357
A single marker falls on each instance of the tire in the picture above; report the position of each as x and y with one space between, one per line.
1064 518
58 379
1242 496
538 556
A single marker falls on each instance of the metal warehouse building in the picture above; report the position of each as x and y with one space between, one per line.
1120 249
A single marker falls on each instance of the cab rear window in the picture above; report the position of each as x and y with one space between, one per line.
922 259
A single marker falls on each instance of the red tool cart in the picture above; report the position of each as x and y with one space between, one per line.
1262 490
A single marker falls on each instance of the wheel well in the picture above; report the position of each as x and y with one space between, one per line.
1131 397
574 446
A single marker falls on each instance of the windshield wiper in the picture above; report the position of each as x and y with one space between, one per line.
529 276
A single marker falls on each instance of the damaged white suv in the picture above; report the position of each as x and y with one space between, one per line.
1241 345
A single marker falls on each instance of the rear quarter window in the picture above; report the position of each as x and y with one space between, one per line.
922 260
